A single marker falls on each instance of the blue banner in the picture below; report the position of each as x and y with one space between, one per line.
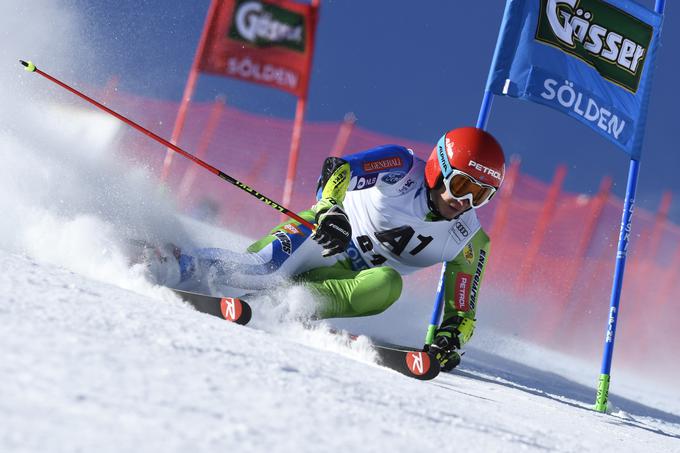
590 59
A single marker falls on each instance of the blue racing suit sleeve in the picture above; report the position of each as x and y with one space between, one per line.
361 170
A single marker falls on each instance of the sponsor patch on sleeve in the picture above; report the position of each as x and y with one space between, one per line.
462 291
469 253
292 229
392 178
383 164
362 182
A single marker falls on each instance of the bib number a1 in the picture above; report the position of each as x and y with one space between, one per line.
396 240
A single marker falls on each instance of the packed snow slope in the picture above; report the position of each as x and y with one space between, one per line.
89 366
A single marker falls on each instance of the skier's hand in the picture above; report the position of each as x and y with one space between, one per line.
445 349
453 332
333 231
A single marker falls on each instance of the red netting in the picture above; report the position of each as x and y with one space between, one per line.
561 289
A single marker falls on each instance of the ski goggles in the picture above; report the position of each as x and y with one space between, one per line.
462 186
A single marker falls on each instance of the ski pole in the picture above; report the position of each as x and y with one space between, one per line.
30 67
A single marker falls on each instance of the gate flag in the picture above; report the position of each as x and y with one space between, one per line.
262 41
590 59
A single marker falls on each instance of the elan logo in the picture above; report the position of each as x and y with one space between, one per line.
267 25
607 38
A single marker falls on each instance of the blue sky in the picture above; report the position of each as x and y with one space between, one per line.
412 69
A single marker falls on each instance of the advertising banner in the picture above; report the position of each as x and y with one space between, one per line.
590 59
269 42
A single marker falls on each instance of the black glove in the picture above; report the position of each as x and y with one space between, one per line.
333 231
445 346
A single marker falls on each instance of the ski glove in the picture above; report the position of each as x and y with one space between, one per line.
333 231
447 341
444 350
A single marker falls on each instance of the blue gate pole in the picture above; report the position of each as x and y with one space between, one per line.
624 236
482 119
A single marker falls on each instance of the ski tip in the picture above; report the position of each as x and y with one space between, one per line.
422 365
235 310
413 363
28 65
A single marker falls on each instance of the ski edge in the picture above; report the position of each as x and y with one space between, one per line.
414 363
231 309
411 362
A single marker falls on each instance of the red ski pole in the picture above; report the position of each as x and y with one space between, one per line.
30 67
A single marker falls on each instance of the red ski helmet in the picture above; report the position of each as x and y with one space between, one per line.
469 150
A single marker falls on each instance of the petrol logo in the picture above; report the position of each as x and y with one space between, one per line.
462 291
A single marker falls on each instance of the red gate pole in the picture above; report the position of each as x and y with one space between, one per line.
643 270
206 137
344 132
578 262
500 217
539 232
671 279
661 216
294 149
188 91
297 129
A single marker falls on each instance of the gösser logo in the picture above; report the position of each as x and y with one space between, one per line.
268 25
607 38
418 362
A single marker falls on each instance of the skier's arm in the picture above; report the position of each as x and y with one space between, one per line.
364 166
462 281
334 230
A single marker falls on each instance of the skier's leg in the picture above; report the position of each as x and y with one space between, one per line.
286 251
348 293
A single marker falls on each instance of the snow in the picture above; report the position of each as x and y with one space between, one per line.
89 366
95 358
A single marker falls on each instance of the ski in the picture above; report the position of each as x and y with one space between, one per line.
410 362
229 308
413 363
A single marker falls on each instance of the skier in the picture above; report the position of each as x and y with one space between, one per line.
380 214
